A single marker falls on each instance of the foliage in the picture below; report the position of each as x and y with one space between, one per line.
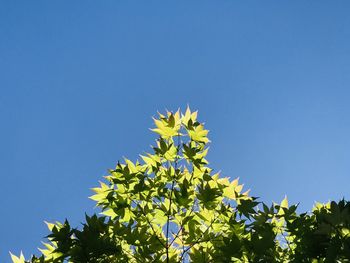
171 207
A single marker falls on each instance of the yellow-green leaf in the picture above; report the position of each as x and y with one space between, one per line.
16 259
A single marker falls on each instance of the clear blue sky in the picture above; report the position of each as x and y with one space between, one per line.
80 81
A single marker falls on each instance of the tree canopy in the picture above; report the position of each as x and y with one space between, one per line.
170 206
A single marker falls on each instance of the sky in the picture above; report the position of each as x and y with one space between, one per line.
81 80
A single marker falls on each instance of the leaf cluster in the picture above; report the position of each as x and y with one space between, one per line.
170 206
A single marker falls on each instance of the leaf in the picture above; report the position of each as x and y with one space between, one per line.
49 225
167 127
110 213
16 259
189 117
284 204
160 218
199 134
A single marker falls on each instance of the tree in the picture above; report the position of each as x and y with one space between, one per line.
171 207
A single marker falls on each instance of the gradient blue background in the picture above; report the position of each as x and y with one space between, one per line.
80 81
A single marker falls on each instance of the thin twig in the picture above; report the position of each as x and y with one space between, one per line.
198 240
149 223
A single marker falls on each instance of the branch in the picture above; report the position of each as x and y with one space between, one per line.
181 228
170 199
